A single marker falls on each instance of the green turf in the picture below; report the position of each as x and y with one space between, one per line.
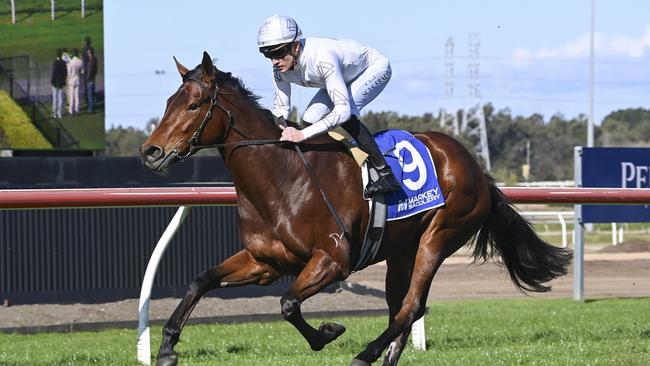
37 35
495 332
16 128
86 129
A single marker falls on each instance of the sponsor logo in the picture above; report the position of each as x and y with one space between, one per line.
418 200
376 81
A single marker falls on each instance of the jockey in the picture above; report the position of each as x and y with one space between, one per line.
349 76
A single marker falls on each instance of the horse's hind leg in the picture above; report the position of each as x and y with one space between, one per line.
320 271
238 270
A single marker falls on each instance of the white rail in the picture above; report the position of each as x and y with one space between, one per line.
144 339
561 215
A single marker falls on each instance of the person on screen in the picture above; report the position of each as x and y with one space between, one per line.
84 57
90 71
59 75
75 71
349 75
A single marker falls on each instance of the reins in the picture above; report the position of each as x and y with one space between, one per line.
339 222
193 144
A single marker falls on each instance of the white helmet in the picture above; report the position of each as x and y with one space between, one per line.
277 30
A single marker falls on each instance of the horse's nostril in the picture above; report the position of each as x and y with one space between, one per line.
152 153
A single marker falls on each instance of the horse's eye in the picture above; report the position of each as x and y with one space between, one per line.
194 107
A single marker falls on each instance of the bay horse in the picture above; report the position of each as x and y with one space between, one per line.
287 229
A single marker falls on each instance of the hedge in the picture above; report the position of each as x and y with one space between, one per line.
17 128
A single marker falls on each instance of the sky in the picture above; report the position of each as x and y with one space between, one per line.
533 56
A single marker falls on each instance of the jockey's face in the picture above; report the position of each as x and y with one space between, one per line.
284 58
283 64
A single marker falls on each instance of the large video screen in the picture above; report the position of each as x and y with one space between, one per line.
51 75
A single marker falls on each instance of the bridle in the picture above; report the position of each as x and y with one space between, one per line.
194 142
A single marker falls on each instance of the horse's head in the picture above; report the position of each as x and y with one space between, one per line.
193 118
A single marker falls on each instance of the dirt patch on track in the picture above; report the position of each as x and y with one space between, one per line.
631 246
620 272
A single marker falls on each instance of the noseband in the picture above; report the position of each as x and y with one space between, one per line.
194 141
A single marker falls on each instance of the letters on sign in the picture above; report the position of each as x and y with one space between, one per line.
634 176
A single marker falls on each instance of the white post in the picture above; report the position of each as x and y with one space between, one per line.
52 7
579 233
13 11
578 256
590 118
620 235
83 8
614 241
144 340
417 332
563 226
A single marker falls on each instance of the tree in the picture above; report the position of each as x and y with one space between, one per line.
122 141
626 127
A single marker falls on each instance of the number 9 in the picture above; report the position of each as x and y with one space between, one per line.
416 164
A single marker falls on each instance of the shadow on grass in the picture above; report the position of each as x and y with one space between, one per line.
355 288
594 301
63 14
23 17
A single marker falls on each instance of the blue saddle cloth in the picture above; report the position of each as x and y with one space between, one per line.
412 165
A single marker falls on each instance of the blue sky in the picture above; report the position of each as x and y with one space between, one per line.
534 56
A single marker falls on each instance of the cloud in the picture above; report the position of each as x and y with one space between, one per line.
608 45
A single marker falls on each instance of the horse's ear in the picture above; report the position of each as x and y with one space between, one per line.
207 65
181 69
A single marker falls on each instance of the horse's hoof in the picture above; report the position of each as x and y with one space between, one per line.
170 360
358 362
328 333
331 331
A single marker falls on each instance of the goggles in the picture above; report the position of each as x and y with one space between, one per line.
276 53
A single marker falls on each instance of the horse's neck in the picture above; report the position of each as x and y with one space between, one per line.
250 122
250 165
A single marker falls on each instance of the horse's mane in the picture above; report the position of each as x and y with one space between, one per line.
234 83
226 79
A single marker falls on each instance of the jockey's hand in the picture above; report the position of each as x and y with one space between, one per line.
292 134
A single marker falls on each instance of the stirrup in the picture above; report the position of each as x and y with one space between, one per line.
385 184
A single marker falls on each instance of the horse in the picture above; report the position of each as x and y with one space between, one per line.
286 227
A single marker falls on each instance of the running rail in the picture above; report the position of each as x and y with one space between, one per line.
205 196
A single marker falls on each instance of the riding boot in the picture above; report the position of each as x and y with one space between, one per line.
386 181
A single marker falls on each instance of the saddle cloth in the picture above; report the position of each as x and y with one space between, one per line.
413 166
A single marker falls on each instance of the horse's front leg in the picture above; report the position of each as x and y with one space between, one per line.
398 276
238 270
435 245
320 271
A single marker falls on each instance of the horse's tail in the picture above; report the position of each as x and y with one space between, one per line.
530 261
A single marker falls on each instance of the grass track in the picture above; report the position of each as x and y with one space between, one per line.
37 35
495 332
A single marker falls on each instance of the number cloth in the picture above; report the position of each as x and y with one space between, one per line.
412 165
